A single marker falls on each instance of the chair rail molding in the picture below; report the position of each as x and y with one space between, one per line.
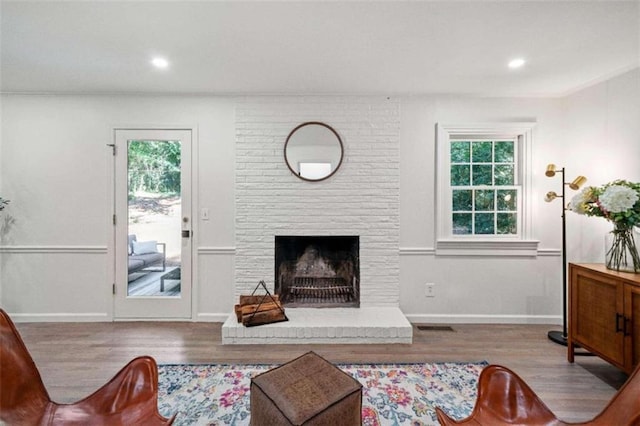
527 249
216 250
417 251
54 249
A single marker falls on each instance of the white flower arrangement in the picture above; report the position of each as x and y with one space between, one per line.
618 198
619 203
579 201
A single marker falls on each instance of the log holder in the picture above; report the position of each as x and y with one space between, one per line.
264 297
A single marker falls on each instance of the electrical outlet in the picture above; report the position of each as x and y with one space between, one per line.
429 290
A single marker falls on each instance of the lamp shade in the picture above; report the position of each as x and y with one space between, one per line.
577 183
550 196
551 170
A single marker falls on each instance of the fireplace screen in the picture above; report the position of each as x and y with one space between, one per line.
318 271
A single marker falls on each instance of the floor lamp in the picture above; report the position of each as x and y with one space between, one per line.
554 335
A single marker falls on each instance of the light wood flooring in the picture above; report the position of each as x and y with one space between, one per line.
76 358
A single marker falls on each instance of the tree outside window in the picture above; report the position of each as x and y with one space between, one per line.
484 198
483 193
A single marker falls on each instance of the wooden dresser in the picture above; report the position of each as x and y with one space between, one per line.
604 314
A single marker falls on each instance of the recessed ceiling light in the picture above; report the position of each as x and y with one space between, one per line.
516 63
160 62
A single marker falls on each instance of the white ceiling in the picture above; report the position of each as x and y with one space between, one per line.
383 47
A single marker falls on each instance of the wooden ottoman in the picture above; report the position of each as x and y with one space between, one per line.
308 390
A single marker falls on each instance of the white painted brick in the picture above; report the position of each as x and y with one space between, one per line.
360 199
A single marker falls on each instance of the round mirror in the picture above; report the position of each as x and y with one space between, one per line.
313 151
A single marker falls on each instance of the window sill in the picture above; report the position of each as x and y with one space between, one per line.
498 248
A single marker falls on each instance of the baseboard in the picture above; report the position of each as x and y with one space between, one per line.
104 317
61 317
222 317
483 319
212 317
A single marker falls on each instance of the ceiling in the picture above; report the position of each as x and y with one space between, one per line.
323 47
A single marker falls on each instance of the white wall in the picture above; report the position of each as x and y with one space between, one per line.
487 289
54 167
594 132
56 170
603 144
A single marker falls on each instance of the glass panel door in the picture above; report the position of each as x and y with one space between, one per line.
154 214
152 210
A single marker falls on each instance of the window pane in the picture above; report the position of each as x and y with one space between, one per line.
504 174
484 199
485 188
507 199
482 175
482 152
460 152
460 176
462 200
504 152
462 223
484 223
507 223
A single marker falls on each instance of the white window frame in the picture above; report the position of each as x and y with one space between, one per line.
449 244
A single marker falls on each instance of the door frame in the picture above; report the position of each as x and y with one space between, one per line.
111 228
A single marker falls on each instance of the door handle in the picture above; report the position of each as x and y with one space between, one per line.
186 233
618 318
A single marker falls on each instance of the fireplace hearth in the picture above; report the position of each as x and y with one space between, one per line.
317 271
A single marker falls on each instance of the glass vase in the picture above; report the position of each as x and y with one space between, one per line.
621 252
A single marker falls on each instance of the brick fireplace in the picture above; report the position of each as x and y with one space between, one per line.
361 199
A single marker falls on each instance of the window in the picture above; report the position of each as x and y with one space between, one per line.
483 187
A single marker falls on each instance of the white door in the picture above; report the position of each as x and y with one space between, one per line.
152 224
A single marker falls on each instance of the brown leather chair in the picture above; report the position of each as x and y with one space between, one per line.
505 399
130 398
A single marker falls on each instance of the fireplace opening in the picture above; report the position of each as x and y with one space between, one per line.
318 271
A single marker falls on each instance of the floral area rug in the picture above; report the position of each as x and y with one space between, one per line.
392 394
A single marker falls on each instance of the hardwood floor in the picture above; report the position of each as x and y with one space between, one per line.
76 358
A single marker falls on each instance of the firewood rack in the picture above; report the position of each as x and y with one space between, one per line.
268 295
